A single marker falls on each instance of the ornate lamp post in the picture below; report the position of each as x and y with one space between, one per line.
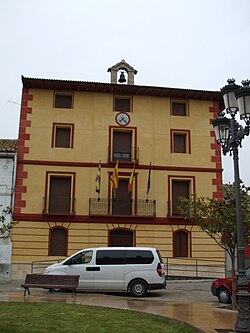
229 134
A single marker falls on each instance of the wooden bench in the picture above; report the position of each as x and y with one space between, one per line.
47 281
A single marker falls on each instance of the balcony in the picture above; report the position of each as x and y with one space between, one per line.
106 207
122 154
61 205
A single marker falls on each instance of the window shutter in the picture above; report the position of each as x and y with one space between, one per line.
62 137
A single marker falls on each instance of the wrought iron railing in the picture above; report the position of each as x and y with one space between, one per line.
175 268
103 206
123 154
173 208
183 268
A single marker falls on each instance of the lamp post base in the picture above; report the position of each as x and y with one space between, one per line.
243 320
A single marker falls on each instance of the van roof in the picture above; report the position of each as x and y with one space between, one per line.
120 248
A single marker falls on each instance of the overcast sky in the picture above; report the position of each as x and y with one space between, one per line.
196 44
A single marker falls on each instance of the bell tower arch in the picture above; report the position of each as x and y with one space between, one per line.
122 66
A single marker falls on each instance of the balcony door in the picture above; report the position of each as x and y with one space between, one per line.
122 145
121 203
179 189
60 195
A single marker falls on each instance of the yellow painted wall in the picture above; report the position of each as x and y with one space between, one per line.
92 115
30 239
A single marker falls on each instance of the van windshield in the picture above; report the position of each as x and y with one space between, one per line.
81 258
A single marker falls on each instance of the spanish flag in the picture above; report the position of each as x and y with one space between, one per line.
131 180
114 180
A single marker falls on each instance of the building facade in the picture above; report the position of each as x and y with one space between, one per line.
104 164
7 180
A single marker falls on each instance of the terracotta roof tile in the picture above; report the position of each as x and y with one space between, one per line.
8 145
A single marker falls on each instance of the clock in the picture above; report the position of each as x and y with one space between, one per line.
122 119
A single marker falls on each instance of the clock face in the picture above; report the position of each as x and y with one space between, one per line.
122 119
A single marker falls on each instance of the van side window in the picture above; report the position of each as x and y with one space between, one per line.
81 258
139 257
110 257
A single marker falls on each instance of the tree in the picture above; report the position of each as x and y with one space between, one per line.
218 219
5 227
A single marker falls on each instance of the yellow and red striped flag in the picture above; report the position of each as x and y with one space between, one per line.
114 180
131 180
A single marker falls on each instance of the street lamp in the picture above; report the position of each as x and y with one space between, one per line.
229 134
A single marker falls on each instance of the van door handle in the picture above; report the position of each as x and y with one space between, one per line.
93 269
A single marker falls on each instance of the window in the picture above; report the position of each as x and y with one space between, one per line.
59 200
140 257
58 242
180 141
180 145
122 104
63 100
121 237
179 108
62 136
181 243
110 257
180 188
121 257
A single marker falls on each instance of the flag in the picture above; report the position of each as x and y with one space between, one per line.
98 180
114 180
131 180
149 176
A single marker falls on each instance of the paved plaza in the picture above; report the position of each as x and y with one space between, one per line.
188 301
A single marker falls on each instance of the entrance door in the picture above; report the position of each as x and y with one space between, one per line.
121 204
121 238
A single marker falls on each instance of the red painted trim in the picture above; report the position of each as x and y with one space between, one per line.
122 165
216 157
22 150
111 219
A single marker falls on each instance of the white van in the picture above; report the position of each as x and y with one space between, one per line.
133 269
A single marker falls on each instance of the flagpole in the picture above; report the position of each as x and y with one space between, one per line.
99 192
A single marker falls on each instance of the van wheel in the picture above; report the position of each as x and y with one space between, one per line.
138 288
55 290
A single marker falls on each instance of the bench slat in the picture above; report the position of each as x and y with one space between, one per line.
50 281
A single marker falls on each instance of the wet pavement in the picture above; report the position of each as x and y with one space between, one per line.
188 301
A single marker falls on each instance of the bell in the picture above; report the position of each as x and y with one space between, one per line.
122 78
